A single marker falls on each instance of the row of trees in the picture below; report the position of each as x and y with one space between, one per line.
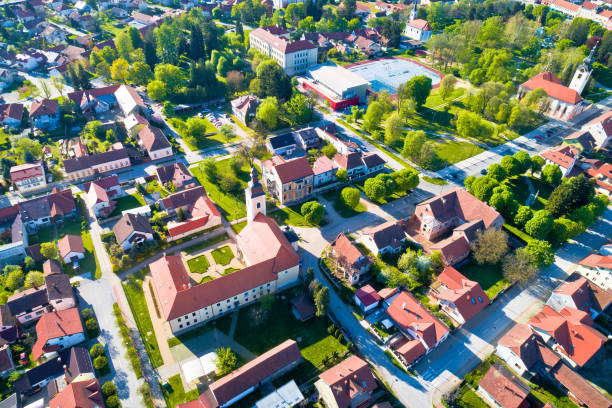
385 184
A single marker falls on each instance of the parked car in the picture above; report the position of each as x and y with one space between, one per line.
483 172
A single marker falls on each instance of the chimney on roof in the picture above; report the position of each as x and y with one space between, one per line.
404 306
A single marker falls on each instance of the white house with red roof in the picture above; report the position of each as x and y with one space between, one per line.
79 394
244 107
201 213
460 298
348 384
564 156
288 180
269 268
579 293
351 264
519 348
45 114
601 129
564 103
421 329
153 140
367 298
500 388
324 170
294 57
100 198
56 331
71 248
28 176
11 114
569 332
418 29
598 269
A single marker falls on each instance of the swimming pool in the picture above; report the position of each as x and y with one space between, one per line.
392 72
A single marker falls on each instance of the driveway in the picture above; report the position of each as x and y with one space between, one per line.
100 296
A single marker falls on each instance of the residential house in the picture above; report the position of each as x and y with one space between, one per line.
11 114
288 180
176 173
85 22
343 146
54 35
244 380
51 267
581 140
324 170
45 114
96 100
422 331
71 365
30 304
6 361
132 230
359 165
102 193
294 57
598 269
577 292
351 265
563 103
79 394
71 248
13 251
80 168
199 211
460 298
303 307
563 156
307 139
418 29
54 207
282 145
388 237
348 384
57 331
288 394
500 388
129 101
244 107
82 7
28 177
8 78
271 267
119 13
367 298
456 212
24 16
519 348
602 174
390 8
569 333
153 140
601 129
367 46
134 123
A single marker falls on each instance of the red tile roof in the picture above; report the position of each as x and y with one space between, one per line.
420 24
367 295
523 342
279 43
323 164
566 5
11 110
153 138
505 388
70 243
44 107
553 87
595 260
254 372
348 379
410 314
582 390
343 247
467 295
410 349
53 325
293 169
453 249
79 394
26 171
563 156
572 331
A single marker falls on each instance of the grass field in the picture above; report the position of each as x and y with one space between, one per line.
135 296
291 216
223 255
207 278
435 99
231 203
175 394
127 203
335 196
490 277
451 152
437 180
198 264
469 399
227 271
312 337
206 243
204 142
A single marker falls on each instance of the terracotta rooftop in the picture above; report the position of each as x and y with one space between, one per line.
70 243
419 24
53 325
523 342
367 295
349 378
343 247
26 171
79 394
553 87
44 107
293 169
467 295
505 387
153 138
563 156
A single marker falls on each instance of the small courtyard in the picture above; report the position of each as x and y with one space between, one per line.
213 262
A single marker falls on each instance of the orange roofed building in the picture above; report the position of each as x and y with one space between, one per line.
500 388
460 298
347 384
272 265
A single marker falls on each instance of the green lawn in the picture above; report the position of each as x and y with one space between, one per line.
229 270
280 324
223 255
335 196
212 140
222 324
451 152
437 180
434 99
490 277
199 264
231 203
291 216
135 296
175 394
469 399
547 392
239 226
45 234
127 203
206 243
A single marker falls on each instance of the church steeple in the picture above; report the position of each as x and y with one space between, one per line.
583 72
413 12
255 197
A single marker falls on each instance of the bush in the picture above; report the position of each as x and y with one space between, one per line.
87 313
109 389
100 362
91 324
112 401
331 328
97 350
